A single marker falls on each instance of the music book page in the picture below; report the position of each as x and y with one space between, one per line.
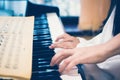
16 38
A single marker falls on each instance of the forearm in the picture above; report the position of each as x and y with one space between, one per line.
113 46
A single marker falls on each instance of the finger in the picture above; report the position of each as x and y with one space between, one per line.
73 62
63 66
51 46
61 37
54 45
63 53
60 45
60 60
67 40
56 58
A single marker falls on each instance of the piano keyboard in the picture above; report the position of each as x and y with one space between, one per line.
42 39
44 35
42 55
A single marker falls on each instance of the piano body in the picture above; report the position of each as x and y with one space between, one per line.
47 27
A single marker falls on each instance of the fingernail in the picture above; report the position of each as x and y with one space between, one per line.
50 47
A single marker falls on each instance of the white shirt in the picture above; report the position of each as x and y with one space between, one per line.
104 36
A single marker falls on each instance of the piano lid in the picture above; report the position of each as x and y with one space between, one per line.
33 9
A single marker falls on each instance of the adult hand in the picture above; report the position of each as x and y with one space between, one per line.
84 55
65 41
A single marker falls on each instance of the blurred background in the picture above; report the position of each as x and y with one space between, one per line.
67 7
69 12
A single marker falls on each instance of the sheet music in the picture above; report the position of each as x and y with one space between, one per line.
16 37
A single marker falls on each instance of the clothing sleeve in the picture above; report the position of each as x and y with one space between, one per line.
94 41
102 37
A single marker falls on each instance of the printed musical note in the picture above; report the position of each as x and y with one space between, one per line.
16 36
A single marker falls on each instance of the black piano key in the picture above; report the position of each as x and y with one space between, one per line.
45 37
40 48
48 77
42 59
40 22
44 26
36 38
36 53
42 45
43 73
46 44
43 67
43 51
42 42
45 41
37 62
45 70
41 32
42 17
42 55
46 58
42 63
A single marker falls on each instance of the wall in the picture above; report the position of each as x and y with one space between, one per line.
18 6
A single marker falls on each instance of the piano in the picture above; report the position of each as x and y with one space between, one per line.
47 26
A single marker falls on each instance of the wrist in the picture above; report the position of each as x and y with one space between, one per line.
109 50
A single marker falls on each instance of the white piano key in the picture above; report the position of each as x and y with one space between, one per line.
55 25
56 29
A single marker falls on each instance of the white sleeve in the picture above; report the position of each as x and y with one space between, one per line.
93 41
102 37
